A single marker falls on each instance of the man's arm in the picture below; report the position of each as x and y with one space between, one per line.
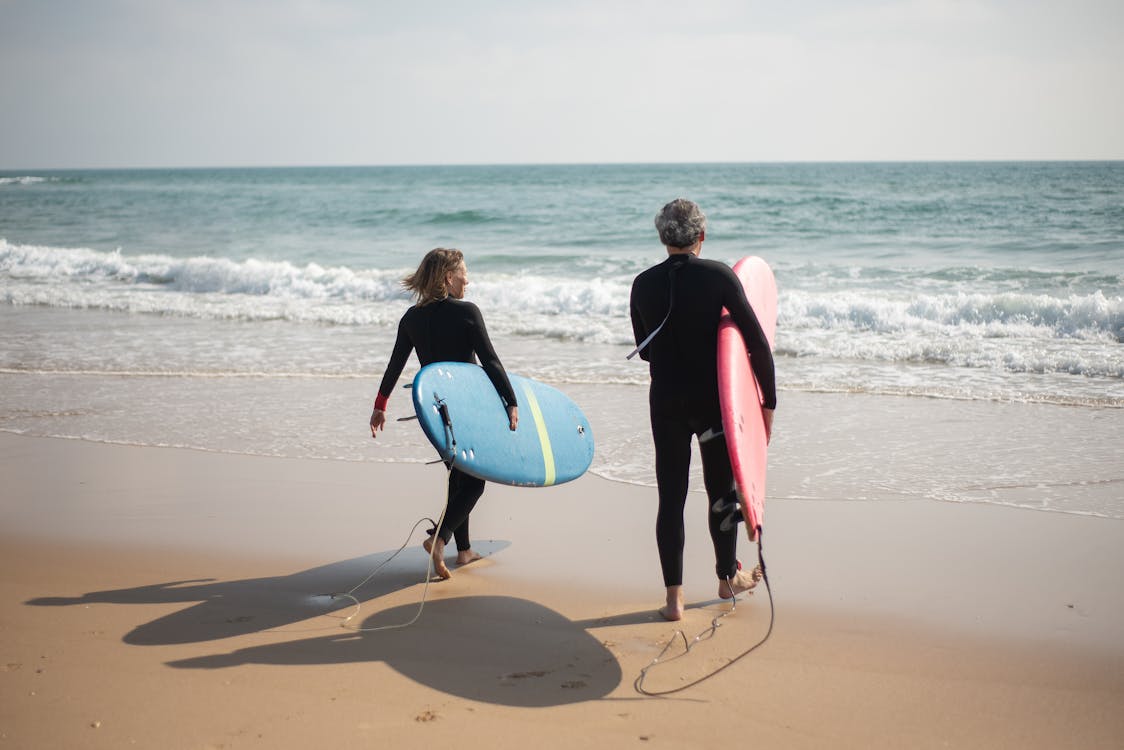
760 354
639 330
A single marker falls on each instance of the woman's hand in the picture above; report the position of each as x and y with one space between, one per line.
378 421
768 415
513 417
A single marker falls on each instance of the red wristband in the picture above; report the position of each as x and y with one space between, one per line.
380 402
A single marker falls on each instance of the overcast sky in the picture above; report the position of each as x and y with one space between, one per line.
105 83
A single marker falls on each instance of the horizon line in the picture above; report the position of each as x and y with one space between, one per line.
407 165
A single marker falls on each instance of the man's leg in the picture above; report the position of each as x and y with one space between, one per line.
672 440
724 514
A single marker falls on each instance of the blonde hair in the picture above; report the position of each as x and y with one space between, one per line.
428 282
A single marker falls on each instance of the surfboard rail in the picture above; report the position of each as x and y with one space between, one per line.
466 422
739 393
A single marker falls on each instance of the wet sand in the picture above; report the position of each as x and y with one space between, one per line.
175 598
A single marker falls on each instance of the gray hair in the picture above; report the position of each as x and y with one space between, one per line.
680 223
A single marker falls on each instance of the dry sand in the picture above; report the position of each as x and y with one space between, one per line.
168 598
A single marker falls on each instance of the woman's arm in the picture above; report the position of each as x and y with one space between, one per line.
398 356
490 361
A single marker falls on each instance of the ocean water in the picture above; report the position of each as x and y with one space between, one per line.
252 310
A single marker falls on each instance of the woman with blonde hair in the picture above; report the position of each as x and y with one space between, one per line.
442 327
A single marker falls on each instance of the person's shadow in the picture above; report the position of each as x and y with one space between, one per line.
495 649
225 609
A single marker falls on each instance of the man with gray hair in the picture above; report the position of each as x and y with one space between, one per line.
681 224
676 306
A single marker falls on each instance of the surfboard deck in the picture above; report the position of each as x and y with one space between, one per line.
465 420
739 394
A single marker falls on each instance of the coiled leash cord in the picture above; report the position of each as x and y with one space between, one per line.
350 594
707 635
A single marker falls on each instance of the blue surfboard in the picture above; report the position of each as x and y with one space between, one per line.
465 420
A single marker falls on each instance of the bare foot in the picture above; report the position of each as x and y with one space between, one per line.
464 557
739 584
673 610
435 546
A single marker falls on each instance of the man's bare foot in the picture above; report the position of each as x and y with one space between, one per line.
435 546
465 556
673 610
739 584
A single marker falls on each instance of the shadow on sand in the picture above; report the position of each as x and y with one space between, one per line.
232 608
495 649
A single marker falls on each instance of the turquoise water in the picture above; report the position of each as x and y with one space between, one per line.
971 280
221 289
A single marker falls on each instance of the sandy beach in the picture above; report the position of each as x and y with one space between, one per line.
157 597
213 225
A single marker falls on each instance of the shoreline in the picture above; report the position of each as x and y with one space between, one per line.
834 446
191 583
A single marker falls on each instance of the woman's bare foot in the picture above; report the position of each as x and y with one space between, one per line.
465 556
739 584
673 610
435 546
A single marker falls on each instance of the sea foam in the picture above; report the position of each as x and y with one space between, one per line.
22 180
900 319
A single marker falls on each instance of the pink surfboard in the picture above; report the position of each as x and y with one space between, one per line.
740 396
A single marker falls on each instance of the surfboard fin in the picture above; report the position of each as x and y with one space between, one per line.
728 504
710 434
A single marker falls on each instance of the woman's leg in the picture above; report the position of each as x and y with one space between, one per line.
464 491
460 534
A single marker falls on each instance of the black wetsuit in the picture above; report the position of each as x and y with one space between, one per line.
449 330
683 398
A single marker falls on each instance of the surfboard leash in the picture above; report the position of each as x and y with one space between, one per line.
350 594
450 436
670 305
443 409
707 634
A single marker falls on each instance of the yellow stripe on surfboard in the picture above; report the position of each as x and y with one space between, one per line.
544 438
